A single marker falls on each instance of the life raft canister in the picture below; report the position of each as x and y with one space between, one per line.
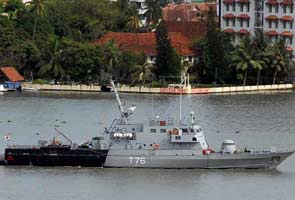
162 123
156 146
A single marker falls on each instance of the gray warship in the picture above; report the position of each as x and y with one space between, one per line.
158 143
166 143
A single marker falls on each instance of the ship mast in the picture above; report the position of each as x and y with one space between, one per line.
124 115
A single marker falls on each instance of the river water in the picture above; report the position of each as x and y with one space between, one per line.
253 120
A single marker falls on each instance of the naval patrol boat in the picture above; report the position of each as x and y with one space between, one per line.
158 143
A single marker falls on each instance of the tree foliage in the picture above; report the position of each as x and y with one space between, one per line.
167 61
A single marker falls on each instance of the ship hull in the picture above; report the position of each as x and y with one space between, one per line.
55 157
143 159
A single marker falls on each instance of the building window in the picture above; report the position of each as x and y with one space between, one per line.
270 8
227 7
291 9
234 22
234 7
153 130
284 24
285 8
241 23
277 8
242 7
227 22
291 40
269 24
291 25
248 7
277 24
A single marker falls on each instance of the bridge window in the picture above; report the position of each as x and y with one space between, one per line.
178 137
163 130
153 130
184 130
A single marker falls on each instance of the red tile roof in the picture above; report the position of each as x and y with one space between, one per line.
190 30
229 30
145 42
286 34
229 15
243 16
272 33
11 73
186 12
287 18
272 17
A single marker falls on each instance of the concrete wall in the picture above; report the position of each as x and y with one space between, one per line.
127 89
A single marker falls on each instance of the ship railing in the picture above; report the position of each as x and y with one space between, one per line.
161 122
270 148
23 146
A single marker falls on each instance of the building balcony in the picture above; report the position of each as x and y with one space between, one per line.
272 18
287 18
229 16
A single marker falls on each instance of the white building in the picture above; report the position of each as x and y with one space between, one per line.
275 18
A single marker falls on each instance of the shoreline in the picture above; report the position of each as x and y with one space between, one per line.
188 90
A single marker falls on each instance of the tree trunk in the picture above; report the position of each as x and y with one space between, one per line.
215 75
35 25
258 77
274 77
245 78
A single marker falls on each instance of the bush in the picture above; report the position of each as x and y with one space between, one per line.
39 81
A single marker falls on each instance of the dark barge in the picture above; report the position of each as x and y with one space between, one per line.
54 155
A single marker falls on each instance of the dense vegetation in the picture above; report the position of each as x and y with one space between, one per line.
51 40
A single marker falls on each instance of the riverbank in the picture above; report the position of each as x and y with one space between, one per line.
137 89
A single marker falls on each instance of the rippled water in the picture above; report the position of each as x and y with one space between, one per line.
265 119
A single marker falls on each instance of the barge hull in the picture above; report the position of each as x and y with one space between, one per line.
55 157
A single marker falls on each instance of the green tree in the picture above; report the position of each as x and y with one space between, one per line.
38 8
143 74
167 61
111 58
134 23
81 61
13 7
279 60
53 67
153 13
245 58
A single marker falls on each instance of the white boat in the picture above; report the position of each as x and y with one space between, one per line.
3 89
30 89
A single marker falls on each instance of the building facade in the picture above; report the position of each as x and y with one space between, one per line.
275 18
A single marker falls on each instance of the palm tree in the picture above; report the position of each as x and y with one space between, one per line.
153 13
245 58
111 58
279 60
53 66
38 8
143 74
134 23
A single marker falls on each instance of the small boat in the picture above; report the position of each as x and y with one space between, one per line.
30 89
3 89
